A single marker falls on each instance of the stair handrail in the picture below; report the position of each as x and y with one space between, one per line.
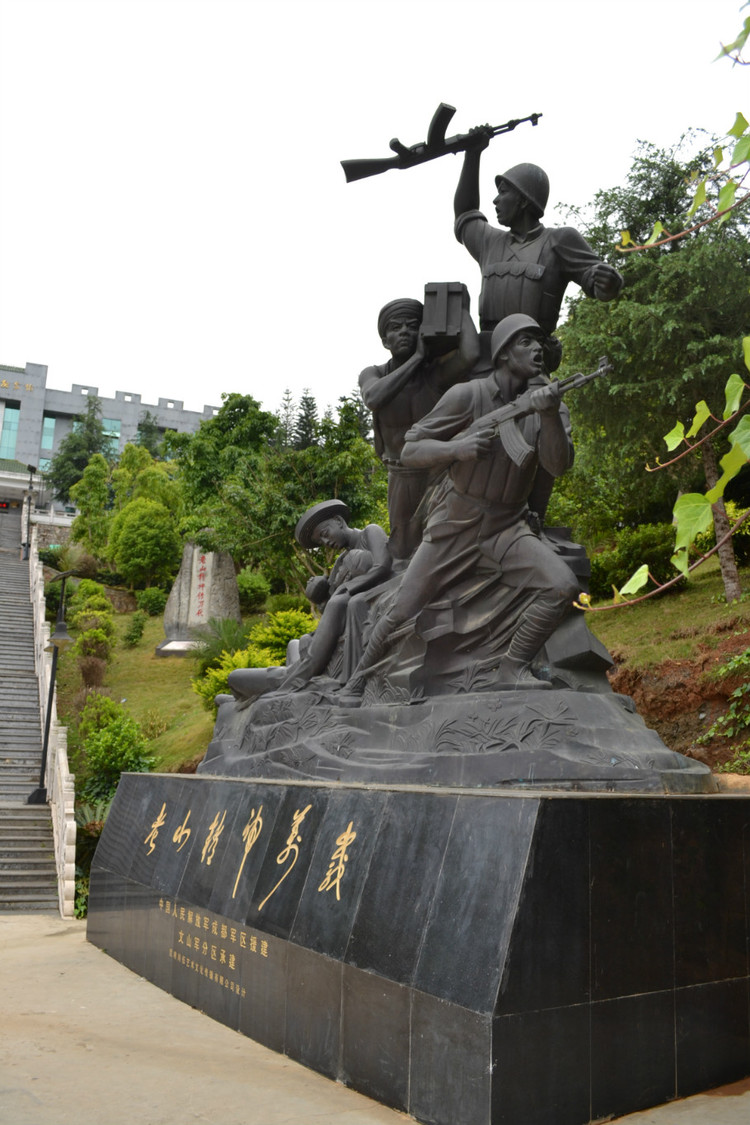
60 782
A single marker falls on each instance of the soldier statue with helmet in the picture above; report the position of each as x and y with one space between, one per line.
526 268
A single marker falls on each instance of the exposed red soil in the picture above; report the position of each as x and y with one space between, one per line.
680 699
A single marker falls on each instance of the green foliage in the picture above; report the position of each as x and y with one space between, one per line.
90 819
117 748
152 600
735 722
149 434
132 635
306 426
275 633
650 545
214 681
50 556
144 544
217 636
671 335
94 642
246 498
278 602
707 539
225 447
253 589
87 591
52 598
76 450
91 496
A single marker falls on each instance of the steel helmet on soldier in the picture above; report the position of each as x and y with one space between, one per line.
509 327
531 181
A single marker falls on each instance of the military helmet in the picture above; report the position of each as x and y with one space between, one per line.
509 327
531 181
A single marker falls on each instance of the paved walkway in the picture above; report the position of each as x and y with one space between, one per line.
82 1039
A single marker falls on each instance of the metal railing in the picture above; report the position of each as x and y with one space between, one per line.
59 781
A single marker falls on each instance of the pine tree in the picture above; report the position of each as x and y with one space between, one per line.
306 423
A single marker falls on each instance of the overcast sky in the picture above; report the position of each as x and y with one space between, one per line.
174 220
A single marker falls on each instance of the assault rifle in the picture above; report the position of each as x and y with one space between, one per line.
502 422
437 144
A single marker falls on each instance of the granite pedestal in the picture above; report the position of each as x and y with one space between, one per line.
466 956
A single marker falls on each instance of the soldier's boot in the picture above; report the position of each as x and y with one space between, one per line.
537 624
377 647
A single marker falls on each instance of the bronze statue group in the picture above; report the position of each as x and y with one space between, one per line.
469 587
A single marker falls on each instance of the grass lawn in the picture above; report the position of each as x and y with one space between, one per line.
157 692
669 627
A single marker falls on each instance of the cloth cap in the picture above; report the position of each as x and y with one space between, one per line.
307 523
402 306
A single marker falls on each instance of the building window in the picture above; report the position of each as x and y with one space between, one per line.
44 464
112 434
48 433
10 432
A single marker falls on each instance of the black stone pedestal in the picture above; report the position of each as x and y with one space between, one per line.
466 956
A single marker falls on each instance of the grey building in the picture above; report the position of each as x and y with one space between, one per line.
34 418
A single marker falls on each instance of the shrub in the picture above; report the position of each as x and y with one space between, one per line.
87 620
52 599
740 541
275 633
94 642
253 589
93 670
50 556
134 631
152 600
153 724
118 748
651 543
84 590
214 681
277 603
98 711
220 635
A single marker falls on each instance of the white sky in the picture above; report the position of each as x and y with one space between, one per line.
173 217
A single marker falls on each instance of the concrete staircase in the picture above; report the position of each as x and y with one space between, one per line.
28 875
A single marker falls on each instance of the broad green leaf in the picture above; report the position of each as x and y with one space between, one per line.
739 43
746 351
718 156
741 150
699 198
740 435
637 582
692 515
625 239
680 561
731 463
701 413
726 196
740 123
675 436
655 233
733 394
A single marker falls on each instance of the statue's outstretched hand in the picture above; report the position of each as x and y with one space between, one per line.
607 282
